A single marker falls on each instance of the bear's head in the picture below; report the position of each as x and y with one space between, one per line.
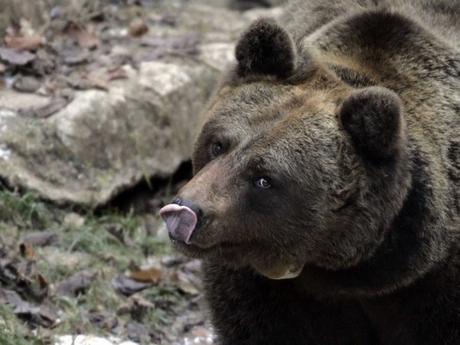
292 166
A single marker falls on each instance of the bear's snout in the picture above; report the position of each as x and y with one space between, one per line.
181 218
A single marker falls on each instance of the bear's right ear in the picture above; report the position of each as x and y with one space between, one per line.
266 49
374 120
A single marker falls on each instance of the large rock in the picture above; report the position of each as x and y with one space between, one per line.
105 141
102 141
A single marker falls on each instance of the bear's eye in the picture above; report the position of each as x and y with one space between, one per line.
217 148
262 182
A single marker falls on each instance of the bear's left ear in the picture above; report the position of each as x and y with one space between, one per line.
373 118
266 49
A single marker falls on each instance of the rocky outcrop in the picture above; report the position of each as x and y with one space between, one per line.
104 141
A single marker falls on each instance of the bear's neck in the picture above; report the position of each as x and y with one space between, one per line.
417 242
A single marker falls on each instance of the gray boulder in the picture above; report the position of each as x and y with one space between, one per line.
103 142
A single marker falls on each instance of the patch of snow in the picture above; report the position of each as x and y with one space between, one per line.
208 339
7 113
9 81
118 32
5 153
90 340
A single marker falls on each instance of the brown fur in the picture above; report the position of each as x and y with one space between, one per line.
356 127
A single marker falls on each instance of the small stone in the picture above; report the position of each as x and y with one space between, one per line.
76 284
14 57
76 59
56 12
40 238
138 332
137 27
74 220
26 84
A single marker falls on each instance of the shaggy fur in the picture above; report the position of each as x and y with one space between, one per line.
372 117
266 49
350 110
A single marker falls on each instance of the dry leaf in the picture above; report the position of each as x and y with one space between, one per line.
83 37
40 238
137 306
40 288
97 81
127 286
138 27
185 283
27 251
24 43
151 275
87 39
47 110
35 315
15 57
42 282
117 73
76 284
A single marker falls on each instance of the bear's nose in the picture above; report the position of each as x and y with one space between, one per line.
181 218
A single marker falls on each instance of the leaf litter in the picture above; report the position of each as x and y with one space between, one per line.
78 51
63 272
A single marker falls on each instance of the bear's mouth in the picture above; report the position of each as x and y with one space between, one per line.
222 249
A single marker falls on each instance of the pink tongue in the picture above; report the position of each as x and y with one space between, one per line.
180 221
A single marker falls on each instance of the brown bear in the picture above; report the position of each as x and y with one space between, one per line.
326 198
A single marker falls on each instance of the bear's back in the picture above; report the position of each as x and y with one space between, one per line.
441 17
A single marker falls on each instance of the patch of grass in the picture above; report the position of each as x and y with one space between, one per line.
13 332
25 211
167 297
108 242
75 317
14 339
111 238
153 246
